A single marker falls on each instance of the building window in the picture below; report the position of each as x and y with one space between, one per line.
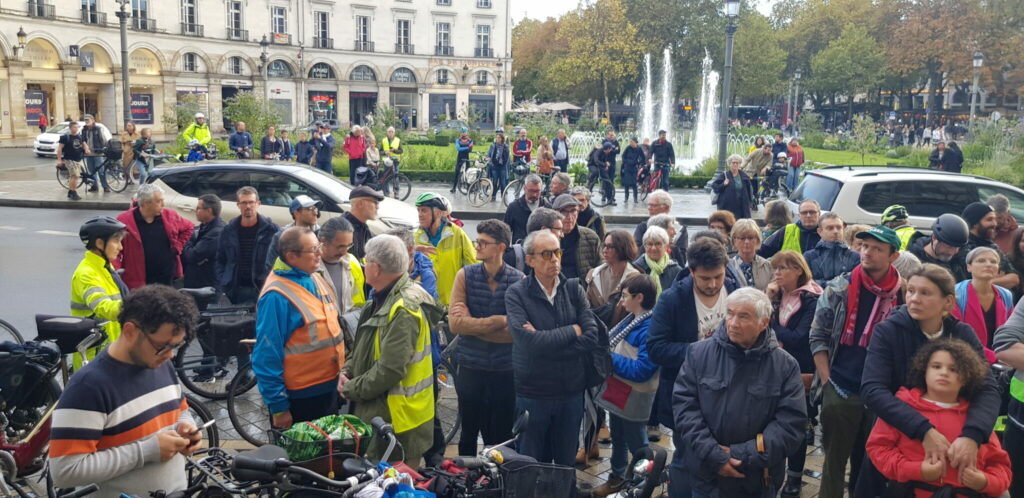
403 75
442 76
483 4
235 18
363 29
321 25
140 9
403 32
483 37
279 20
321 71
363 73
235 65
446 3
481 78
444 38
188 13
279 69
189 63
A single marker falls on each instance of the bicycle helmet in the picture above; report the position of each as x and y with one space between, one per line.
99 227
200 115
463 130
192 143
500 131
950 229
782 155
894 212
447 204
431 200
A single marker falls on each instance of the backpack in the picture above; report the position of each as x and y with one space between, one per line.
520 257
599 365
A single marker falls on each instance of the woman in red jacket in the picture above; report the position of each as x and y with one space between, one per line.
944 375
355 147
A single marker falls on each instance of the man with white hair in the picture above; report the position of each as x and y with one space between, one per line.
355 147
660 202
389 372
740 369
560 184
156 237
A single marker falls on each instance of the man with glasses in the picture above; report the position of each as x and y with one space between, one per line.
949 235
581 245
299 344
242 250
101 432
484 353
305 211
341 269
551 329
365 202
800 236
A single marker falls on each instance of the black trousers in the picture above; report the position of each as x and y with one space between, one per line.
353 165
312 408
489 407
1013 441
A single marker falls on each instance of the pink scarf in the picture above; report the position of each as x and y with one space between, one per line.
886 298
792 301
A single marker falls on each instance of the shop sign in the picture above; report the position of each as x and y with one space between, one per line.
35 106
142 108
87 59
240 83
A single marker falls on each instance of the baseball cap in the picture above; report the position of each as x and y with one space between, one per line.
302 202
882 234
564 201
364 191
87 117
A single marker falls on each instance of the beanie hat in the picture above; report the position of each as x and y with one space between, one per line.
974 212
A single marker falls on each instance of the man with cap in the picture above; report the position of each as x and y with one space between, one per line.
97 136
949 236
581 247
323 142
846 316
365 201
981 220
305 211
663 156
895 217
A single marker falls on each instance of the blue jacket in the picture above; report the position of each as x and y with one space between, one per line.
642 368
324 149
276 318
227 253
287 150
240 139
423 273
828 260
304 151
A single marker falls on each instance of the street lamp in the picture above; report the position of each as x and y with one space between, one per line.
22 40
465 74
979 60
122 19
732 12
796 98
264 67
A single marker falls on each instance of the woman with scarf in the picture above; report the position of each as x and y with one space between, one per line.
628 394
980 303
794 295
603 282
656 261
735 189
750 269
930 297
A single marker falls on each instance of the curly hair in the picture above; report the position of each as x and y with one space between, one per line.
154 306
971 367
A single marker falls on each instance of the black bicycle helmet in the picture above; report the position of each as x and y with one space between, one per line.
99 227
950 229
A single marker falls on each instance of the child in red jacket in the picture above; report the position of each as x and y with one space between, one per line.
944 376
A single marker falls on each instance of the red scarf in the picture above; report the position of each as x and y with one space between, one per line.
886 295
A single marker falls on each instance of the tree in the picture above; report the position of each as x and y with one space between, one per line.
184 112
534 50
851 64
758 61
601 46
863 137
256 112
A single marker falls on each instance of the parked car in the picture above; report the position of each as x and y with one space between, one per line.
860 194
45 144
451 124
277 184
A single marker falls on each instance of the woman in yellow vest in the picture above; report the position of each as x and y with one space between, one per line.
96 289
391 148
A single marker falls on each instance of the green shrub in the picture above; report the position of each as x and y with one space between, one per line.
814 139
904 151
891 154
831 142
918 158
977 152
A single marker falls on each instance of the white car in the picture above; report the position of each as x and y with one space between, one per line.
859 195
277 183
45 145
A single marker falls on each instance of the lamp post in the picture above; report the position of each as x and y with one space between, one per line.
979 60
22 40
126 93
264 67
796 99
732 12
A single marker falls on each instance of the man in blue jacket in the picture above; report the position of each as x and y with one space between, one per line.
242 250
240 142
323 142
831 257
691 310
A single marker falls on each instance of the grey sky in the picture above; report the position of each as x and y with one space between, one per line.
542 9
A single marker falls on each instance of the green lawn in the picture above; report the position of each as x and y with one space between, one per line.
846 158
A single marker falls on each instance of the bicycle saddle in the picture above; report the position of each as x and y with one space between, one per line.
66 331
201 295
264 456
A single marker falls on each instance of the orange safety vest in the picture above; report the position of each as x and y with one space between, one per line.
315 352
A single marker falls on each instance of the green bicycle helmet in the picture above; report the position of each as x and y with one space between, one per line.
894 212
431 200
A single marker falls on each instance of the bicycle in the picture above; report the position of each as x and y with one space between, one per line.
134 173
773 186
648 182
514 189
213 358
400 184
605 193
470 174
114 171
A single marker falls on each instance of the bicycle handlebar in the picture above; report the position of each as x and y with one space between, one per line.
246 462
83 491
470 462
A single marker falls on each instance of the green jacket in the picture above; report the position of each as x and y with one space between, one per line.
371 380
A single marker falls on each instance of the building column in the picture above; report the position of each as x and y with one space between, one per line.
343 106
423 110
119 90
69 92
16 122
215 108
383 94
170 101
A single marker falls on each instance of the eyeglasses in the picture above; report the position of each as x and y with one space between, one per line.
808 213
483 243
546 255
161 350
247 203
748 238
317 248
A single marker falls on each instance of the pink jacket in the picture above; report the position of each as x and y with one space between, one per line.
355 147
133 259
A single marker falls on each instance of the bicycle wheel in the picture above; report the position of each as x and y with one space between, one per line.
9 333
201 415
462 186
25 411
207 375
599 193
480 192
249 417
117 177
642 189
512 192
400 187
447 406
134 173
63 176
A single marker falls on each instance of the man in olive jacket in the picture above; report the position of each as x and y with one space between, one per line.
390 366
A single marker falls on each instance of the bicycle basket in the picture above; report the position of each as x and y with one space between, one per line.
226 330
472 174
113 149
326 435
12 375
530 479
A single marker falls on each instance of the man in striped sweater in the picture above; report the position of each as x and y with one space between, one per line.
123 422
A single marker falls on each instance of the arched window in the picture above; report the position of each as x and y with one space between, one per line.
363 73
403 75
279 69
442 76
235 65
321 71
188 62
481 78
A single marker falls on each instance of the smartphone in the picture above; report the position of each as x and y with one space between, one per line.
204 426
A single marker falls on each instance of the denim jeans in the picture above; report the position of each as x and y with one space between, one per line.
626 435
143 170
499 177
96 170
664 176
793 178
552 432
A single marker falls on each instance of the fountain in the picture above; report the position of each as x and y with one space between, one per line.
704 143
647 102
667 96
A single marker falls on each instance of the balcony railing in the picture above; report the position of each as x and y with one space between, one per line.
444 50
41 9
143 24
403 48
319 42
93 17
238 34
483 52
191 29
364 46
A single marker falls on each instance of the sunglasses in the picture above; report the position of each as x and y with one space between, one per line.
546 255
